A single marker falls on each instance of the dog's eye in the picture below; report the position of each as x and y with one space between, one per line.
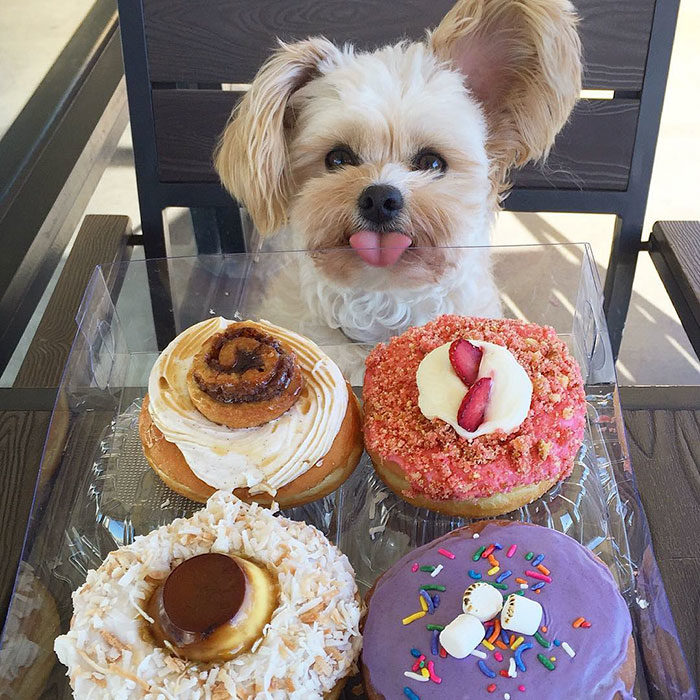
339 157
432 162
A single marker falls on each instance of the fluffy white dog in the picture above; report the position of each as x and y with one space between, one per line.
399 153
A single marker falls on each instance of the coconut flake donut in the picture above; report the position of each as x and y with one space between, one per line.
250 407
305 649
485 438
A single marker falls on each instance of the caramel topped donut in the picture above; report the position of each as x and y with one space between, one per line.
211 607
243 377
301 647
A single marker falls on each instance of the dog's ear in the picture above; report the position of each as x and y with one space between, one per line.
522 60
252 157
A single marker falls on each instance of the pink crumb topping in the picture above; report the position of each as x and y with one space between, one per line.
440 464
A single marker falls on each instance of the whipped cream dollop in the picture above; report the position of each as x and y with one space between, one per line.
263 458
441 391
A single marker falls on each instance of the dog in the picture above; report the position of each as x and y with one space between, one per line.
382 162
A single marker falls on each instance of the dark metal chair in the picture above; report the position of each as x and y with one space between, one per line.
184 59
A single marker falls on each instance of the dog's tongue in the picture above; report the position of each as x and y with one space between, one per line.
379 249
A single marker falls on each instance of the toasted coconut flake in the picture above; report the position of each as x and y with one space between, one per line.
311 642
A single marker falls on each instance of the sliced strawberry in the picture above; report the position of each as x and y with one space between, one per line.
465 359
473 407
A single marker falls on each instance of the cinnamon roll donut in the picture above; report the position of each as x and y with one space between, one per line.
253 408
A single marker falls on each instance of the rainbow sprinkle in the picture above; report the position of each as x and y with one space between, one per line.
446 553
519 656
485 554
538 559
541 640
502 577
415 676
485 669
539 576
545 661
411 618
473 574
477 555
436 571
568 649
578 622
410 694
491 687
414 568
427 601
434 628
529 555
431 672
434 646
493 571
427 568
511 550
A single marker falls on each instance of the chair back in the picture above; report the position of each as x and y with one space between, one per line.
186 61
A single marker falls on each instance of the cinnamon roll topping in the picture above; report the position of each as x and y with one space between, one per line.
242 365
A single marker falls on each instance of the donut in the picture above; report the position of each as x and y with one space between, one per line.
514 610
253 408
471 416
32 625
232 602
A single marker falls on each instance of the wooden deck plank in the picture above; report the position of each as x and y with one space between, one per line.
665 452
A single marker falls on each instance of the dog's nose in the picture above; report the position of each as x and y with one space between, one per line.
380 203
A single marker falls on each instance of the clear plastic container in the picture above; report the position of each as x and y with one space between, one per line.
95 490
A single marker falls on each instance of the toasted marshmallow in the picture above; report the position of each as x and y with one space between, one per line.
462 636
482 600
520 614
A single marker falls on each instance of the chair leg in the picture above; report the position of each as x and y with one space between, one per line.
154 230
620 277
206 234
230 227
217 230
154 242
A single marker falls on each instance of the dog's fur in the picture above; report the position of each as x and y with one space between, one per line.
488 90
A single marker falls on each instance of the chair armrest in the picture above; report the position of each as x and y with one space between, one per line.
102 239
674 247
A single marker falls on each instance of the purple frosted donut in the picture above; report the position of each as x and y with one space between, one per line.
581 648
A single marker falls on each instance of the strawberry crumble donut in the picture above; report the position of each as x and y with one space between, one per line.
473 416
233 602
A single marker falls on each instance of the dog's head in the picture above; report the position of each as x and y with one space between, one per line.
409 145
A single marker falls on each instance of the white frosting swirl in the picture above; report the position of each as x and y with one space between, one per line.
441 391
263 458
